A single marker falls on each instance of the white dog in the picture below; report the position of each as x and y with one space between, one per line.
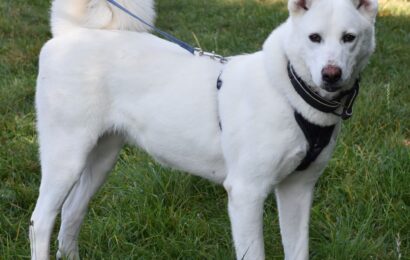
270 125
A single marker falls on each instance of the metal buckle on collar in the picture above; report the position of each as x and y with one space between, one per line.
348 104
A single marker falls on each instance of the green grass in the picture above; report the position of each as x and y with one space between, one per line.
362 203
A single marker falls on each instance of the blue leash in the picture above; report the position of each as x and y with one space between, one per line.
168 36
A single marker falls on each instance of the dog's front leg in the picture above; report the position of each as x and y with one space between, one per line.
294 198
245 205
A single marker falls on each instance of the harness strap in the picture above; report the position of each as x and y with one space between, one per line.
318 137
218 87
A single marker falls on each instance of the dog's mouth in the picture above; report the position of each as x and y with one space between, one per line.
332 88
329 91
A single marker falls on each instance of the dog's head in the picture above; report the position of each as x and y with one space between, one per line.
330 41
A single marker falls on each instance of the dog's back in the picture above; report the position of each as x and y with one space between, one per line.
67 15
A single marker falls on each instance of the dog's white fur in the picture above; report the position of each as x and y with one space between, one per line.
99 88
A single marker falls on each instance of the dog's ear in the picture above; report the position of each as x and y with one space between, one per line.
298 6
368 8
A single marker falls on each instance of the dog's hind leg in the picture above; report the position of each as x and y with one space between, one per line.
63 156
294 199
99 163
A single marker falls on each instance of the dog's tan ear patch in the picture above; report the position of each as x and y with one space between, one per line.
302 4
298 6
368 8
363 3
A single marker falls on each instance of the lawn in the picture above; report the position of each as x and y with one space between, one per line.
362 202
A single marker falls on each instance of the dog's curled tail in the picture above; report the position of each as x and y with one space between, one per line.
67 15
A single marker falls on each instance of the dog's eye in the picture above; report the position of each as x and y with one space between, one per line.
348 37
314 37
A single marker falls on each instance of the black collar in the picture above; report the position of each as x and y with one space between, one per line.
320 103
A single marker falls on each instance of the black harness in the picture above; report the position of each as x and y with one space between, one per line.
318 137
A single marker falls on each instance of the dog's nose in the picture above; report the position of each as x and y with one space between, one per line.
331 74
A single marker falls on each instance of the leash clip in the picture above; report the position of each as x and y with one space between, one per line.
211 55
